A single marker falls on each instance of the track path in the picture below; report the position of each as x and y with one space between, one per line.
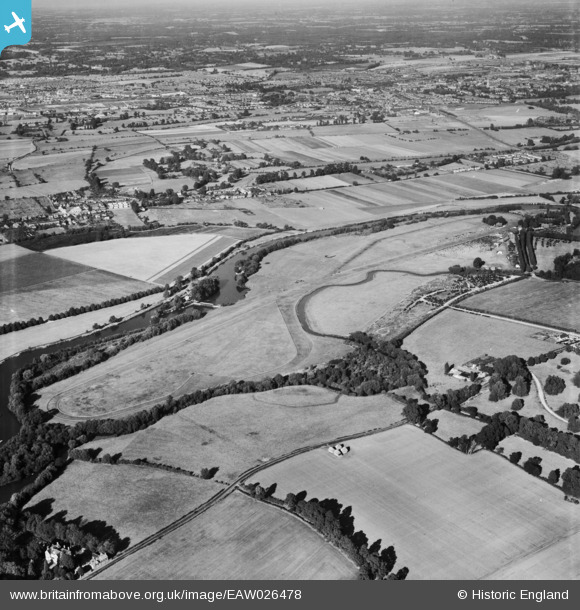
224 493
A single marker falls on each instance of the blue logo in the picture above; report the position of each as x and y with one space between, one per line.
15 22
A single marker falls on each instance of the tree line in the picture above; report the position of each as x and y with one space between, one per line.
75 311
336 524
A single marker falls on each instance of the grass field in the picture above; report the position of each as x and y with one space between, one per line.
146 258
457 337
241 431
10 149
230 343
550 459
549 303
66 328
136 500
450 424
238 539
449 515
58 295
341 310
532 406
571 393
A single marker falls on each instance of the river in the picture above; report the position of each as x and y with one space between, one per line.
228 294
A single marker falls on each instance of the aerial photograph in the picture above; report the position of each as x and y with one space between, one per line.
290 290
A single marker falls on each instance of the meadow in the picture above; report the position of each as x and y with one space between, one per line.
231 343
67 328
457 337
235 433
571 393
554 304
238 539
144 501
342 309
448 514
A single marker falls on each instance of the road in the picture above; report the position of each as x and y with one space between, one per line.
224 493
543 399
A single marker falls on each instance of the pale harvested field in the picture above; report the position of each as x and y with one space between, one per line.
449 515
239 539
457 337
341 310
197 259
550 459
230 343
136 500
533 300
141 258
67 328
58 295
238 432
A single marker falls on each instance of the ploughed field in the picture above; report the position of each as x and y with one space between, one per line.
238 539
37 284
235 433
554 304
449 515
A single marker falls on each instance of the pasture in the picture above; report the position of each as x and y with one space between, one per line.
67 328
532 406
554 304
238 539
448 515
147 258
342 309
145 500
571 393
231 343
13 148
238 432
450 424
457 337
550 459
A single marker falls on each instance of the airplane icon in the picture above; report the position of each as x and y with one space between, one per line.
17 23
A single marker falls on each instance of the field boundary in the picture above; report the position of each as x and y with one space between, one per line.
229 490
